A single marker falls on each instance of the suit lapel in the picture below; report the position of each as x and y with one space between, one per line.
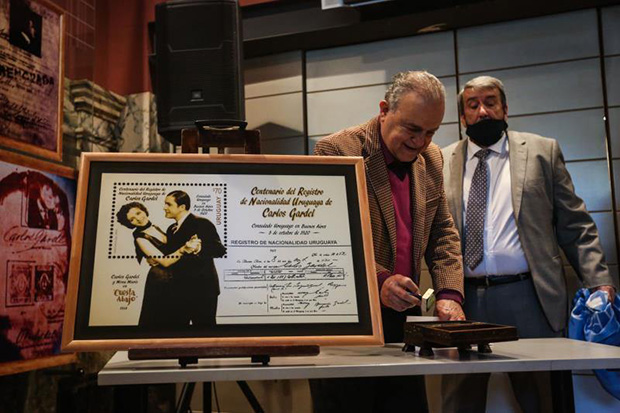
178 238
418 208
455 197
376 171
518 163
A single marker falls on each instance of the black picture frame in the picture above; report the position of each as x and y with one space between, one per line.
257 204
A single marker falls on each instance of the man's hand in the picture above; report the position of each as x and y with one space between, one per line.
193 245
395 293
449 310
610 290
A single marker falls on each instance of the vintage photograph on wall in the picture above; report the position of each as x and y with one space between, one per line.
221 250
37 202
31 76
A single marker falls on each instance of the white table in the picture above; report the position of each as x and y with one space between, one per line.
556 354
522 355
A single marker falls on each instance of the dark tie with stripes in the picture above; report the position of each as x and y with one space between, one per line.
476 211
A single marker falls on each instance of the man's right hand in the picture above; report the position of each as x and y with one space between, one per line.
396 293
193 245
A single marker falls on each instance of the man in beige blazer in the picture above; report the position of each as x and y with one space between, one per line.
410 220
514 205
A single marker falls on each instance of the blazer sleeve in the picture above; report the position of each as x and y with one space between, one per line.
576 232
443 252
325 147
211 244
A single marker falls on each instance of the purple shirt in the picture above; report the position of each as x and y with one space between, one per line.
401 197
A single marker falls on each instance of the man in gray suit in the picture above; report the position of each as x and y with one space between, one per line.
514 206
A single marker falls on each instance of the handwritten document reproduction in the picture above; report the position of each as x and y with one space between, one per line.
30 77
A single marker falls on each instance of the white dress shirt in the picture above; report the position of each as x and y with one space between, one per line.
503 254
180 222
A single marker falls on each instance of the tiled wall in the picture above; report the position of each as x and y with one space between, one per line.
551 67
274 102
346 84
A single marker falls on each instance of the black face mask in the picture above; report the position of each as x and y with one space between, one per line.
486 132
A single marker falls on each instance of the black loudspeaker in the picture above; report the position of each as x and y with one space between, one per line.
196 68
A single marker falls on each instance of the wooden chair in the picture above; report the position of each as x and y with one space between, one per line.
220 134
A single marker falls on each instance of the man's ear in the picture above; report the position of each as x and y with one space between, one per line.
506 112
463 122
384 108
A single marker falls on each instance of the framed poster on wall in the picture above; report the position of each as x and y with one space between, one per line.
31 76
198 250
37 202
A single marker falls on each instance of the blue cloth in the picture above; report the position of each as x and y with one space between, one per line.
597 320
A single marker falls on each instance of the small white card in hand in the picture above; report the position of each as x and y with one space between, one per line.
427 300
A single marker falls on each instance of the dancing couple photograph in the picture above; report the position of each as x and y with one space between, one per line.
182 285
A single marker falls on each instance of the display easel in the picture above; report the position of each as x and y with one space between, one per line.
220 134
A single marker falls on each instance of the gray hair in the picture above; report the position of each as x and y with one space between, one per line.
482 82
423 83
